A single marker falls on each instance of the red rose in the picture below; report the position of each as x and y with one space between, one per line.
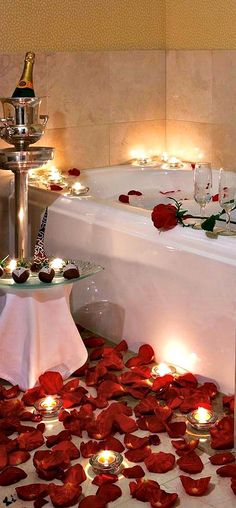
164 217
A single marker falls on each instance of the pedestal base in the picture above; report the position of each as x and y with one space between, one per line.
38 333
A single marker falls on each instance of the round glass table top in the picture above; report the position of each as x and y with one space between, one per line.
86 269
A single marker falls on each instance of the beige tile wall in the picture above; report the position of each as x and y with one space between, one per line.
201 105
101 104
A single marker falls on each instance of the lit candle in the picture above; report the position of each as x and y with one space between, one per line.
48 406
55 175
11 266
49 403
106 458
77 188
161 369
57 264
202 418
202 415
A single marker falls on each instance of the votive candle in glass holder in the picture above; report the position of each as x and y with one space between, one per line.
160 369
202 419
106 461
48 406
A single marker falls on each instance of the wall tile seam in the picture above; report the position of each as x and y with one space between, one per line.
106 124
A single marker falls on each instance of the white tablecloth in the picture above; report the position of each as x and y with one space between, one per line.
37 333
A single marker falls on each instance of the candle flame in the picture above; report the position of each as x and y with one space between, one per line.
106 457
57 263
202 415
161 369
11 265
49 403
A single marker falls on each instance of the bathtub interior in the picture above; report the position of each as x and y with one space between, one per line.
156 185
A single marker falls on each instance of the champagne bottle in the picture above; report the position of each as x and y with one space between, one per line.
25 87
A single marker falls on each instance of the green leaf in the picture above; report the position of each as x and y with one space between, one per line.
209 223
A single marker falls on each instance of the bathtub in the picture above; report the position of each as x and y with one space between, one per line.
175 290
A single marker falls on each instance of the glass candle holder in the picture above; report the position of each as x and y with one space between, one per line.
202 419
160 369
106 461
48 406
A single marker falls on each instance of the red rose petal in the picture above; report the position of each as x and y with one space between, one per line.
55 187
112 443
10 393
31 417
109 492
109 390
75 474
137 393
142 489
129 377
176 429
11 408
123 198
71 386
125 424
134 193
133 472
64 495
92 502
162 499
51 382
68 447
64 435
228 470
233 485
162 382
195 487
146 354
40 502
160 462
71 399
215 197
3 456
32 491
12 475
18 457
122 346
138 455
151 423
146 406
182 446
133 442
94 341
30 440
186 379
219 459
190 463
100 479
81 371
90 448
33 394
46 460
74 172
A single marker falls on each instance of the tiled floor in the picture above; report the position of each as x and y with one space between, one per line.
220 493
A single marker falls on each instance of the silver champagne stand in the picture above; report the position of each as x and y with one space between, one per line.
22 125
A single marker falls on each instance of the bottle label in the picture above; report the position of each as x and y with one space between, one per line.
25 84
